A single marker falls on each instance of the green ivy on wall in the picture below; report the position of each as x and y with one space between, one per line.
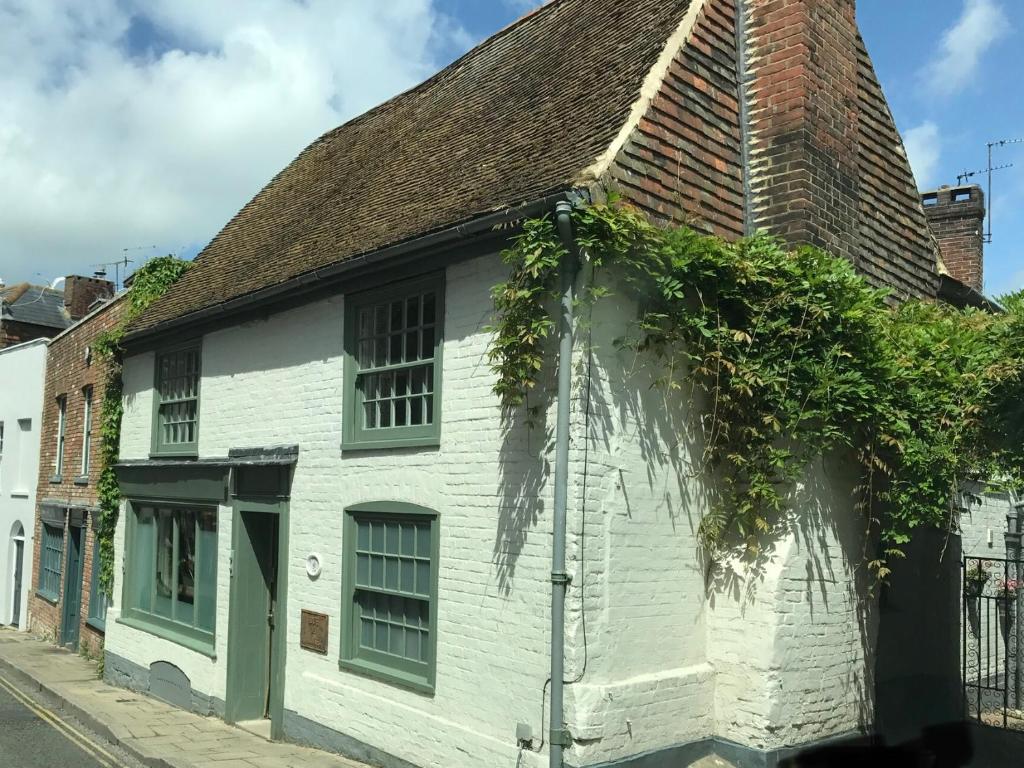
148 283
796 356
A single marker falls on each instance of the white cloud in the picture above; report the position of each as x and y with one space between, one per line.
981 24
924 149
113 137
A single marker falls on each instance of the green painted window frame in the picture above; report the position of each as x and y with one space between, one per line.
419 676
86 429
356 436
138 573
190 448
51 562
98 602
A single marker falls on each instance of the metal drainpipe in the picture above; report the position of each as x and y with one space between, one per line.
558 736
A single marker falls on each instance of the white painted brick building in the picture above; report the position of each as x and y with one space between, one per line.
667 661
22 368
255 387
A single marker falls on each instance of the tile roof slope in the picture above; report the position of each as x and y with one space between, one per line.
519 116
36 305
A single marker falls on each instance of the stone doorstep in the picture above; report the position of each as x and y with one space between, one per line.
55 694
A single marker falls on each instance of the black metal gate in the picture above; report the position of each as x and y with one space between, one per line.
991 618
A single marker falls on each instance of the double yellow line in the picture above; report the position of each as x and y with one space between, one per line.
76 737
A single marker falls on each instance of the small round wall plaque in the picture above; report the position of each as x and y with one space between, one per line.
313 565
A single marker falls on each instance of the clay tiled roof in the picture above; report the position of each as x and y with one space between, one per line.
520 116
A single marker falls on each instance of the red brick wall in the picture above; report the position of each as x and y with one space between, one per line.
957 218
12 332
68 372
825 164
803 111
684 160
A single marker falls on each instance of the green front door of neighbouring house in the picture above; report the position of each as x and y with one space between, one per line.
72 606
251 621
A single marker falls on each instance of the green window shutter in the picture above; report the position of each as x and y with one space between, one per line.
172 561
97 599
51 562
393 344
389 593
86 429
176 401
62 417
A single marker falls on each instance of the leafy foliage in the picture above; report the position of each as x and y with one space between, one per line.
148 283
797 356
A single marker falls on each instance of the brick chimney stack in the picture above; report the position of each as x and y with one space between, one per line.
81 292
956 216
802 106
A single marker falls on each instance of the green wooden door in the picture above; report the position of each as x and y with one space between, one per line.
72 608
250 634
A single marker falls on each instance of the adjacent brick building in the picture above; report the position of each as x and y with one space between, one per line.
64 606
30 312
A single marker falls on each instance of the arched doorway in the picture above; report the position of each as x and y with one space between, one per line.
17 572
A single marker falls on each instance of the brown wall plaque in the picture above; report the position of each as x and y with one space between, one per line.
313 632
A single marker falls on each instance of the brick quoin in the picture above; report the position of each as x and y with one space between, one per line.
71 367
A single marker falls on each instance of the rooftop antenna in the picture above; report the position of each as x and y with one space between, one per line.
962 178
123 262
1000 143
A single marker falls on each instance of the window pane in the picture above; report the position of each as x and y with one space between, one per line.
163 604
423 540
429 308
428 343
142 558
184 608
400 333
393 583
206 571
412 308
174 565
178 385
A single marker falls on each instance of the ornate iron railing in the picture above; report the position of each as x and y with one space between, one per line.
991 611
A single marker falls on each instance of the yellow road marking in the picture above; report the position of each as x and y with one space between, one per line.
65 729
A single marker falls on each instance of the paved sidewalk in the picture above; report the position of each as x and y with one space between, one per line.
157 734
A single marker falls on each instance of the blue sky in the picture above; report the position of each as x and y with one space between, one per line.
145 124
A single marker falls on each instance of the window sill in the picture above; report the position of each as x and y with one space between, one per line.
387 675
193 454
51 599
395 442
19 494
98 626
56 479
174 636
82 480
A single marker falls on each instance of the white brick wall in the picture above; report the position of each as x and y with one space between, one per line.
668 661
791 639
279 381
22 371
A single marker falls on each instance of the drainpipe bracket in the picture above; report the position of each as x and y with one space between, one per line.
560 577
560 737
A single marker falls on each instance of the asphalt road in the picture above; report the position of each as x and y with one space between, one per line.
34 736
